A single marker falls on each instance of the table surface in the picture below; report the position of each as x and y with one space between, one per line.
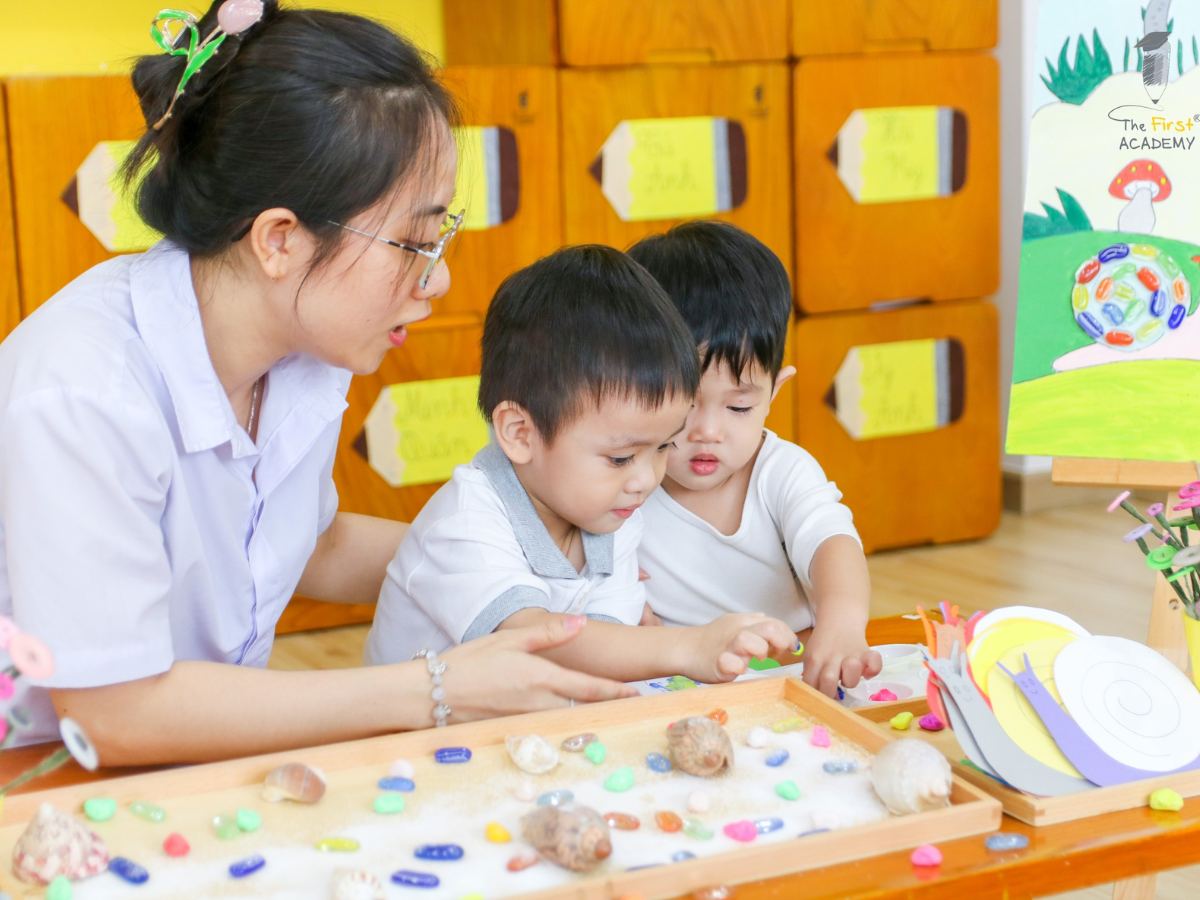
1095 850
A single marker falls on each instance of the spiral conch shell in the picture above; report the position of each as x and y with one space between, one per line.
532 753
911 776
699 746
54 844
574 837
294 781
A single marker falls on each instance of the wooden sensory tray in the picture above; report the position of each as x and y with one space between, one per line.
183 792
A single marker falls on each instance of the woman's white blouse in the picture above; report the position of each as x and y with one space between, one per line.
139 524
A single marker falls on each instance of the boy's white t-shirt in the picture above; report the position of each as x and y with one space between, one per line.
477 553
697 573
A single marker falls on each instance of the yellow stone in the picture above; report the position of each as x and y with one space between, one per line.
497 833
1167 799
901 721
787 725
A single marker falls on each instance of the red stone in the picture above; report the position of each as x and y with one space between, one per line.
176 845
668 821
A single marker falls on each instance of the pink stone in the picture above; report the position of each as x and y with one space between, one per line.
930 722
883 695
819 736
742 830
235 16
176 845
926 855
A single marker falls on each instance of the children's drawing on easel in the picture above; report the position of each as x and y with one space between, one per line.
1107 358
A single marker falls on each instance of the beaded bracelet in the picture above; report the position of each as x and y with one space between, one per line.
436 669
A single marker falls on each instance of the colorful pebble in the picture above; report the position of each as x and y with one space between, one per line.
1113 313
561 797
99 809
697 830
1080 297
128 870
147 811
762 665
576 742
1148 329
596 752
1166 799
59 888
682 856
439 852
777 758
1148 278
225 827
788 790
247 866
337 845
667 821
1119 338
1180 289
1005 840
397 783
496 833
742 830
521 862
401 768
1177 316
883 696
1089 324
248 820
657 762
840 766
409 878
622 821
926 855
176 845
451 755
1104 288
679 683
767 825
758 737
389 803
1088 271
901 721
699 802
930 722
819 736
620 780
718 715
1146 251
1114 252
1158 303
784 725
1125 292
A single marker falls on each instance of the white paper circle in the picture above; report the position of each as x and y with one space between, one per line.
1136 706
990 619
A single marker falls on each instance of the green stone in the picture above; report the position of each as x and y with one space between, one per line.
1166 799
596 752
389 803
759 665
99 809
788 790
694 828
248 820
59 888
620 780
147 811
225 827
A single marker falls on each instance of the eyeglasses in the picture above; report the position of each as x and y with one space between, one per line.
432 252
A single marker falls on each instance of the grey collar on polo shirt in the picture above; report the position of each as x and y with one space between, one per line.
545 559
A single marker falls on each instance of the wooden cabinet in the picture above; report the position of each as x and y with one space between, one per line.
866 26
10 303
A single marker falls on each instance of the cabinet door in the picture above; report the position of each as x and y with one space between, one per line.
865 26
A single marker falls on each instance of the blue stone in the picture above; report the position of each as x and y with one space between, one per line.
452 755
841 693
396 783
1006 840
1158 303
409 878
766 826
777 757
1177 316
682 856
840 766
658 762
1116 251
128 870
247 866
555 798
442 852
812 831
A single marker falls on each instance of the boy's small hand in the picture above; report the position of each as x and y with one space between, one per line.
834 656
724 646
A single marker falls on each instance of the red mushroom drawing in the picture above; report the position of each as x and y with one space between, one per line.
1143 183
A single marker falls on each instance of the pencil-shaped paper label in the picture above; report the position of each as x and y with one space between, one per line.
901 153
418 431
653 169
901 387
97 195
488 184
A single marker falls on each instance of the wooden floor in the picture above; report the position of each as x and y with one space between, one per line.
1069 559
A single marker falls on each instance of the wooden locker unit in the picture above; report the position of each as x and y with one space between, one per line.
850 255
522 102
54 123
931 486
634 32
10 301
501 32
865 26
754 96
441 347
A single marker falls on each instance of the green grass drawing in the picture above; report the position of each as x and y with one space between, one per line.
1071 219
1073 83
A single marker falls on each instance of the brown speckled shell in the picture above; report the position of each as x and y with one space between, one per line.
574 837
294 781
55 843
699 746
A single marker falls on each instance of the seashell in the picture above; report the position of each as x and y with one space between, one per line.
911 776
532 753
356 884
54 844
699 746
294 781
574 837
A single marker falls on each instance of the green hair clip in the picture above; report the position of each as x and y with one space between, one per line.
168 27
